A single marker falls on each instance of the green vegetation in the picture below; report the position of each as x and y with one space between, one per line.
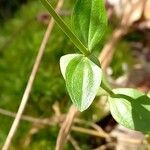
83 75
20 39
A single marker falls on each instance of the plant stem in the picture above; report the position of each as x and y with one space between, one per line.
65 28
108 90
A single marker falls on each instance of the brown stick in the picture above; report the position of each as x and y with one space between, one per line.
57 120
65 128
89 131
26 118
108 50
43 121
50 122
30 83
93 125
73 142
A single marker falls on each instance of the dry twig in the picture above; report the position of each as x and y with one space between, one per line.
89 131
30 82
73 142
23 117
108 51
93 125
65 128
54 120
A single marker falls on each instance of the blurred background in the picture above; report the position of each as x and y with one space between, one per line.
22 27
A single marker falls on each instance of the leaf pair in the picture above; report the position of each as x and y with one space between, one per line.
83 76
83 79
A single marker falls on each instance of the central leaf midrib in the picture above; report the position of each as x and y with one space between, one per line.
80 61
87 70
83 84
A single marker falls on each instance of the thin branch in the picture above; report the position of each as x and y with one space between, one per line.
44 121
57 120
109 49
52 120
30 83
88 131
12 114
93 125
73 142
65 128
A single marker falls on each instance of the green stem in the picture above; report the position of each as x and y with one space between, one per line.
65 28
108 90
113 95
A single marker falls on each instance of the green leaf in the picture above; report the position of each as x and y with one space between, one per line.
89 21
64 27
64 61
83 79
131 109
